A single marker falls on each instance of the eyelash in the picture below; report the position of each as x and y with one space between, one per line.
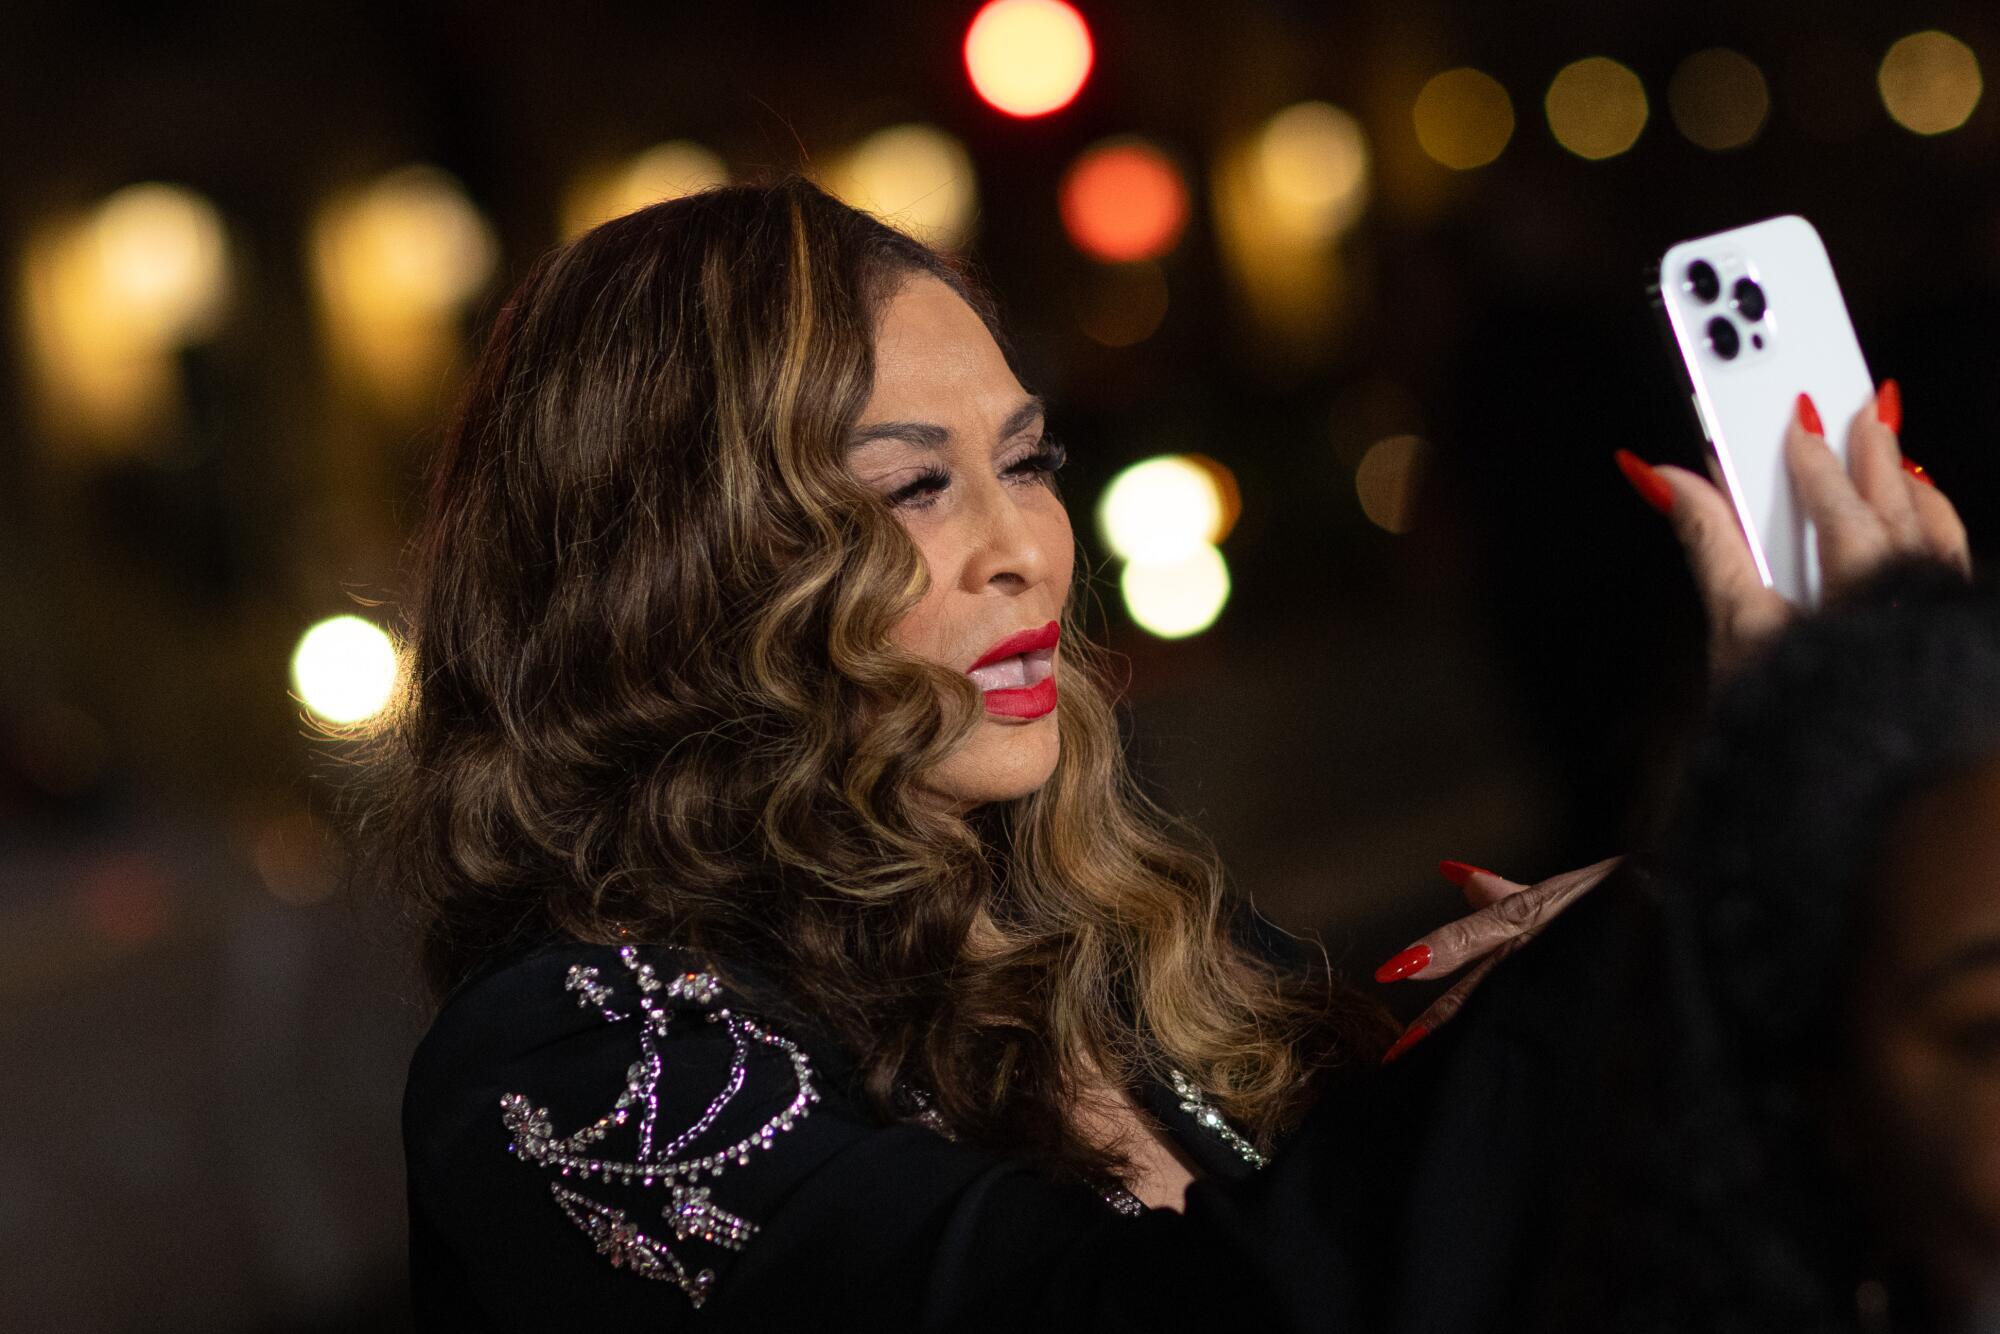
1047 459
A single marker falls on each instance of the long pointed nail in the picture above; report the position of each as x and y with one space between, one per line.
1889 405
1809 415
1412 1035
1652 488
1412 960
1916 470
1460 872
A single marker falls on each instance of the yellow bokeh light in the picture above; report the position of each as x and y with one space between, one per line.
1596 107
664 171
1718 99
916 178
1387 480
162 254
1028 57
107 298
344 669
1930 82
394 264
1159 510
1311 162
1464 118
1178 598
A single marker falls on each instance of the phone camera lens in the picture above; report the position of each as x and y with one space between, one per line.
1722 337
1749 299
1701 280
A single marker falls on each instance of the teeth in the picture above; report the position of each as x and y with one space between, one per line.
1017 672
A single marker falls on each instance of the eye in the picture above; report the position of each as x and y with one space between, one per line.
922 492
1046 460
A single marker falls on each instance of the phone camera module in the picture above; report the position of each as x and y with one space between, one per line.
1749 299
1701 280
1723 338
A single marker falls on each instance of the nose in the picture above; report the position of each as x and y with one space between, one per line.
1007 549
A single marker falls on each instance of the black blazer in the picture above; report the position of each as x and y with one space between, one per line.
606 1138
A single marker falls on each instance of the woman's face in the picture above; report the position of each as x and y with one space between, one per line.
954 442
1929 1051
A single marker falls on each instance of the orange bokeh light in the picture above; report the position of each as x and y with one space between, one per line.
1124 201
1028 57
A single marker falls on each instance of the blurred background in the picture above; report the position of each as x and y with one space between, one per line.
1342 310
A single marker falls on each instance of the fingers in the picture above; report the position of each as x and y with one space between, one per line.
1853 538
1875 461
1943 531
1741 611
1517 916
1482 888
1440 1011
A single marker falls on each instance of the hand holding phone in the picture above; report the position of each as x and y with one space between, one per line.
1814 493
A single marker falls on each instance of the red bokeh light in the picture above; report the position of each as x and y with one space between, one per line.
1124 201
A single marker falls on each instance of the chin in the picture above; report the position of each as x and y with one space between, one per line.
1002 762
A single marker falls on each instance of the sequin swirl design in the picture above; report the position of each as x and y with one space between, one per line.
688 1213
1209 1116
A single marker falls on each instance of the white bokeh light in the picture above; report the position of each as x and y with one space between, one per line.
345 669
1160 510
1175 599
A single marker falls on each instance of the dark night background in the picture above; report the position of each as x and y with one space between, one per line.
202 1071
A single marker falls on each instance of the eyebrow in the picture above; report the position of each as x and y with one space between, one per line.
929 435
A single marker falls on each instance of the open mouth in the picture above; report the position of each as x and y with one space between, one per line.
1016 673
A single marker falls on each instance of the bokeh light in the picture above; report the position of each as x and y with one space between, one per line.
1178 598
1388 479
394 265
1159 510
126 897
1028 57
1122 304
1596 107
109 296
290 852
916 178
1718 99
161 252
1464 118
1930 82
1311 163
344 669
664 171
1123 200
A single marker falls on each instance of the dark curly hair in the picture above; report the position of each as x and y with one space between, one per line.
1723 1207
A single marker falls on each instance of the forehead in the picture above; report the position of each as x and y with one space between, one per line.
933 353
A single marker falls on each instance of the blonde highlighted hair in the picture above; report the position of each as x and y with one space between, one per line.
652 695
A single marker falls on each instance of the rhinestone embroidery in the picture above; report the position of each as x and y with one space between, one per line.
1207 1114
689 1214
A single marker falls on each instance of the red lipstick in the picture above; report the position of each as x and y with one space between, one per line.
1018 673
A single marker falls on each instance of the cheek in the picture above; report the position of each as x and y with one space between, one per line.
922 629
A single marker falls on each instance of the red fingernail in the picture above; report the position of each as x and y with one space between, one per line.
1648 483
1460 872
1916 470
1809 415
1889 405
1414 1034
1412 960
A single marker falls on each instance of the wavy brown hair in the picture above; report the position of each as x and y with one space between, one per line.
651 695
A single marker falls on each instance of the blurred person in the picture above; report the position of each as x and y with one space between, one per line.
1811 1137
805 950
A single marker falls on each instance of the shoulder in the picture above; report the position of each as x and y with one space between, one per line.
575 1110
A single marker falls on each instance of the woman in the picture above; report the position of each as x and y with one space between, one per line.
808 953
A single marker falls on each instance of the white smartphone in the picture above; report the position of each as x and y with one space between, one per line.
1757 319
